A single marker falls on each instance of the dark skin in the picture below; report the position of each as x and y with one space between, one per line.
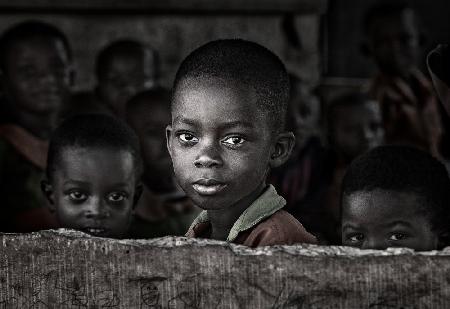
357 129
94 190
125 76
393 42
222 148
37 80
379 219
149 120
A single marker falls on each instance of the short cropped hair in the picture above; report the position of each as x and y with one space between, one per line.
403 169
391 8
30 30
123 47
92 131
247 63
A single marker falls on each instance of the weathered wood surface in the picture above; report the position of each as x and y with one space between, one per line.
71 270
173 6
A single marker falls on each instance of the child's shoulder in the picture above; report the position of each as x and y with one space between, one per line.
280 228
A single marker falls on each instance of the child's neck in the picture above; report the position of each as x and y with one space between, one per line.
40 126
222 220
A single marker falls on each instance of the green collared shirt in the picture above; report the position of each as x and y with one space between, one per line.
263 207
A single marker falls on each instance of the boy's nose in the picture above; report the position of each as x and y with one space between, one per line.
95 209
374 243
208 157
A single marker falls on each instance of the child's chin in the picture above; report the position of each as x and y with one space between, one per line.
208 203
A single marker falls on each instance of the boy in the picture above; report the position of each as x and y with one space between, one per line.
93 175
395 196
36 74
123 68
163 208
410 113
228 110
354 126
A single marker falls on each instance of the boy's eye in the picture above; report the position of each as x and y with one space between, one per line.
187 138
233 140
117 197
77 196
397 236
356 237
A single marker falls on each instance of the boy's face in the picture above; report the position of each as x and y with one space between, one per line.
93 190
149 121
357 129
220 142
379 219
394 43
125 76
38 75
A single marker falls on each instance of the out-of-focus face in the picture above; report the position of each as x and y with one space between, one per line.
394 43
303 116
38 75
357 129
220 143
125 76
149 120
93 190
379 219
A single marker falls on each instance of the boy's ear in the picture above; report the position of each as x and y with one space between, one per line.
169 139
283 147
47 189
137 194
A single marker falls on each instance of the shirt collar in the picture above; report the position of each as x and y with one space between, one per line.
264 206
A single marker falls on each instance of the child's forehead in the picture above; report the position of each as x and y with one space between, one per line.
72 153
29 47
228 91
382 203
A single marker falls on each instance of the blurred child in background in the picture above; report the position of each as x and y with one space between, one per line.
36 75
164 208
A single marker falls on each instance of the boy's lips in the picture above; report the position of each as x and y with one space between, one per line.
205 186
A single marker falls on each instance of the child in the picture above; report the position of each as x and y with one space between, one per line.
395 196
410 113
163 208
36 74
354 126
227 132
123 68
93 175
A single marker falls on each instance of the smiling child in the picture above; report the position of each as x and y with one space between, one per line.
93 172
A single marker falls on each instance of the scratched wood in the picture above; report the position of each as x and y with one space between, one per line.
72 270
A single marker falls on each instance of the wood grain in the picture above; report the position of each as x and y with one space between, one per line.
71 270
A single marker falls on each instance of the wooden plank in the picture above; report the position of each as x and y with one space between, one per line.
167 6
70 270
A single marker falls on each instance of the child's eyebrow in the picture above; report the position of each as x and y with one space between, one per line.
350 226
181 119
399 222
233 124
76 182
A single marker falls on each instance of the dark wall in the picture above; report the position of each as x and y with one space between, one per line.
175 35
